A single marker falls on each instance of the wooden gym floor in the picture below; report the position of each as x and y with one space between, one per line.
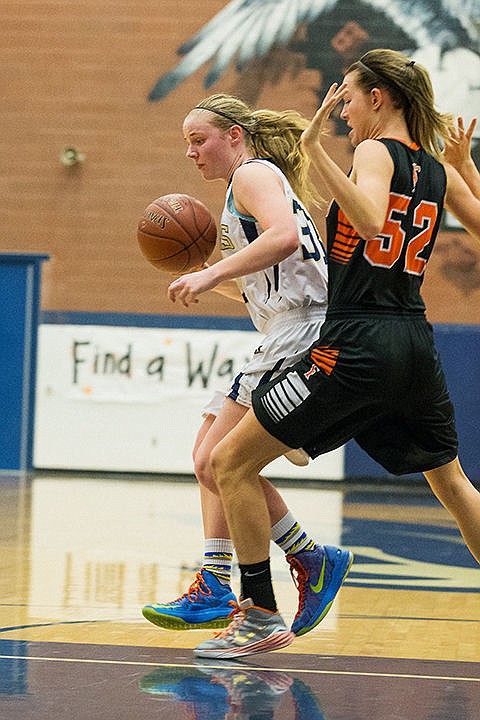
81 554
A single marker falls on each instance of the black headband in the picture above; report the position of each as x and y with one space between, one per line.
379 74
373 72
225 115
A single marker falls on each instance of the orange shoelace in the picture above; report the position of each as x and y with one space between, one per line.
237 616
299 580
198 586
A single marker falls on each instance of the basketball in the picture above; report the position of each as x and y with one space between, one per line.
176 233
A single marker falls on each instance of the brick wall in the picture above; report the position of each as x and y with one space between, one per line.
78 74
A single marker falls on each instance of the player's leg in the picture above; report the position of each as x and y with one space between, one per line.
237 461
304 411
286 532
213 517
457 494
209 600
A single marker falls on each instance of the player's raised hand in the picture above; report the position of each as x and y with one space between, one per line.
319 124
457 149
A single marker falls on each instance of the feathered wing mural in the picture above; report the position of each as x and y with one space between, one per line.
330 34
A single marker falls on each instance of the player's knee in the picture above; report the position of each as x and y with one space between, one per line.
203 472
222 463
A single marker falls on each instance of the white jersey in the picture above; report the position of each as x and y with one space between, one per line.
298 281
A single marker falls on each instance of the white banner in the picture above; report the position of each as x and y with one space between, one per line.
129 399
146 364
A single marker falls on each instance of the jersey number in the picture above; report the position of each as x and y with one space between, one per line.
385 250
312 248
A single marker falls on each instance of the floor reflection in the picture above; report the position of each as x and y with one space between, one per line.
13 667
54 681
225 693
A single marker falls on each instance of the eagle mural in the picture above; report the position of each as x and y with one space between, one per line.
329 33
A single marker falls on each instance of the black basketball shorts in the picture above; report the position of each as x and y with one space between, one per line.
378 380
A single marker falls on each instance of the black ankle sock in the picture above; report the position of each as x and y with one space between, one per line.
256 583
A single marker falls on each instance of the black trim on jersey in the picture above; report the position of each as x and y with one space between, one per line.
249 228
235 387
276 277
269 286
266 377
276 280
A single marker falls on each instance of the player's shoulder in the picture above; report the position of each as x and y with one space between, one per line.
256 170
257 166
372 146
371 153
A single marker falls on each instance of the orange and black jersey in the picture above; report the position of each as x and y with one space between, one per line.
385 274
374 373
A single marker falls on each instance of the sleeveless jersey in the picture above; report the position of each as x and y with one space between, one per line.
298 281
385 274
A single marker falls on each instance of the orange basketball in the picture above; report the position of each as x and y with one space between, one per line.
176 233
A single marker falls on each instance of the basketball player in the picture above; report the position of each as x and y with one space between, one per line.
273 253
374 374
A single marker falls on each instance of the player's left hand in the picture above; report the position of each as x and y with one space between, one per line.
187 287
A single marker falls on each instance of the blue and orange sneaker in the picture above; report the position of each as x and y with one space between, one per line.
318 575
206 604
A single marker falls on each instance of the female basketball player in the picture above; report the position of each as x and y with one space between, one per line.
373 374
273 251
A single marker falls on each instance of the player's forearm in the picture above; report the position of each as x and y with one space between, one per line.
469 172
229 289
270 248
366 216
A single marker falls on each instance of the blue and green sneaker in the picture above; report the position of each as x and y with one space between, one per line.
206 604
318 575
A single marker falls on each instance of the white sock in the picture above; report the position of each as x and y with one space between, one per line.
290 536
217 558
